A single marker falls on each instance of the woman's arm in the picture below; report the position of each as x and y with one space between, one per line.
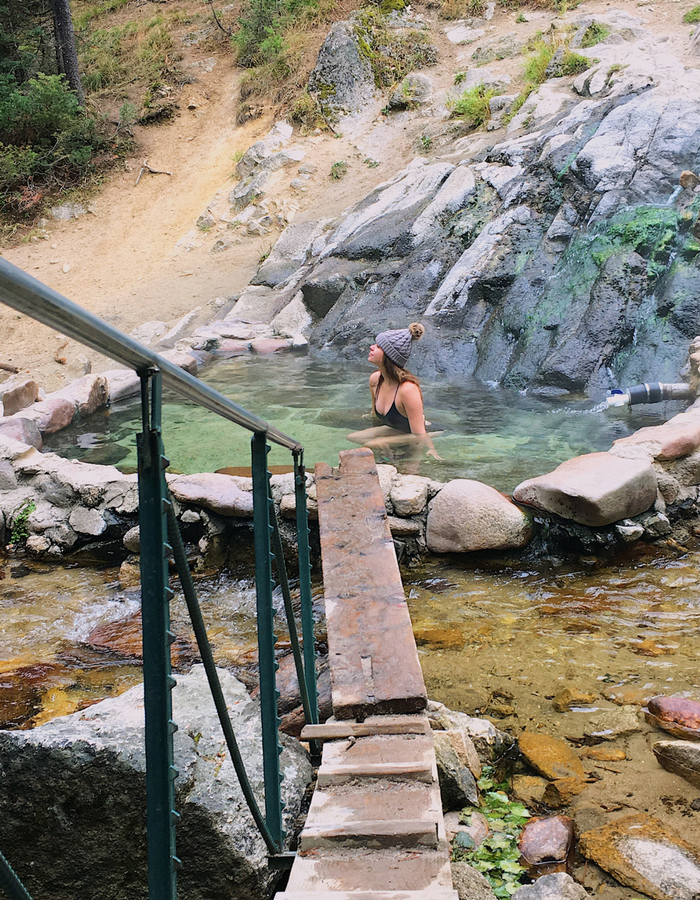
409 396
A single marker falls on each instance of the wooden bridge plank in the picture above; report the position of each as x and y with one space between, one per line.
370 870
330 731
373 657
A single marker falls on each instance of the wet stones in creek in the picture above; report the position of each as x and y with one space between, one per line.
677 715
550 757
642 853
546 841
681 758
468 515
457 784
596 489
558 886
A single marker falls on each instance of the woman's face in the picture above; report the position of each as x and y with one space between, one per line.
376 355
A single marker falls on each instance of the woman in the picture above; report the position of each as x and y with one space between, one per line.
397 401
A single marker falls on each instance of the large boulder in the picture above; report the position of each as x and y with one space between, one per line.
16 393
90 839
596 489
342 77
468 515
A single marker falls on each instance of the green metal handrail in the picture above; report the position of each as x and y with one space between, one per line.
160 539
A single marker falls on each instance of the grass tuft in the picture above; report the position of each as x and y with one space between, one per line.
692 16
473 106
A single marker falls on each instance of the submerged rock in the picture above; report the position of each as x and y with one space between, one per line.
677 715
680 757
550 756
642 853
547 840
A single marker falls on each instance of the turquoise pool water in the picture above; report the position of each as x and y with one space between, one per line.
492 435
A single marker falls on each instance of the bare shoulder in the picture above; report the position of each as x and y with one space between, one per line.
409 392
373 379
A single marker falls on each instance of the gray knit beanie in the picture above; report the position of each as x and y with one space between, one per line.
397 344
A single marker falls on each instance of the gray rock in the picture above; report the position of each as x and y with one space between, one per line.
321 293
93 763
219 493
88 393
680 757
342 76
288 254
596 489
558 886
488 741
469 883
146 333
467 515
610 724
181 328
121 384
459 186
457 784
414 90
24 430
294 320
87 521
132 539
8 479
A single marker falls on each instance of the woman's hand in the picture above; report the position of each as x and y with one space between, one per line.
433 452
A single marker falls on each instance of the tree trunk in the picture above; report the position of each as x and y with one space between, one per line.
66 54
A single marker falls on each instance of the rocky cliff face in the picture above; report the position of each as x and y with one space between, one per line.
565 257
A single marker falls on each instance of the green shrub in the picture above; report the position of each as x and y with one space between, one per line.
536 65
20 530
574 63
594 34
339 170
261 27
392 54
473 106
47 139
692 16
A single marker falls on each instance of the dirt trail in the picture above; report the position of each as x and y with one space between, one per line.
137 255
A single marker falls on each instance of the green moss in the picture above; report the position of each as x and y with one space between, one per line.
392 54
574 63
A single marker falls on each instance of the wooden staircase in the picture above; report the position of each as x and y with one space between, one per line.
375 829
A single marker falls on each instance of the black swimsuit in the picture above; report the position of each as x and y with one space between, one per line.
392 416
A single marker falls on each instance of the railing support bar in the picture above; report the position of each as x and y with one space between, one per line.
266 638
157 637
200 632
307 617
11 884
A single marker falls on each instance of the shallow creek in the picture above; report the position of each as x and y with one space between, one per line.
497 636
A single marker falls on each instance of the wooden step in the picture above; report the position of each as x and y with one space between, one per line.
416 724
407 833
371 870
402 756
371 895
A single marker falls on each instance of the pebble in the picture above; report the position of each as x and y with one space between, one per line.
679 716
546 840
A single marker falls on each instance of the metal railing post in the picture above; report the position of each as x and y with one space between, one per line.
157 638
307 617
266 638
11 884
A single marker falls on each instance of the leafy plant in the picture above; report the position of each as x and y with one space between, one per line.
370 163
473 106
594 34
574 63
426 142
520 18
20 531
339 170
459 77
536 65
692 16
497 857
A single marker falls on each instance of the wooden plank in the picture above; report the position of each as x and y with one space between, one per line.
409 833
393 725
371 895
371 870
339 774
372 654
